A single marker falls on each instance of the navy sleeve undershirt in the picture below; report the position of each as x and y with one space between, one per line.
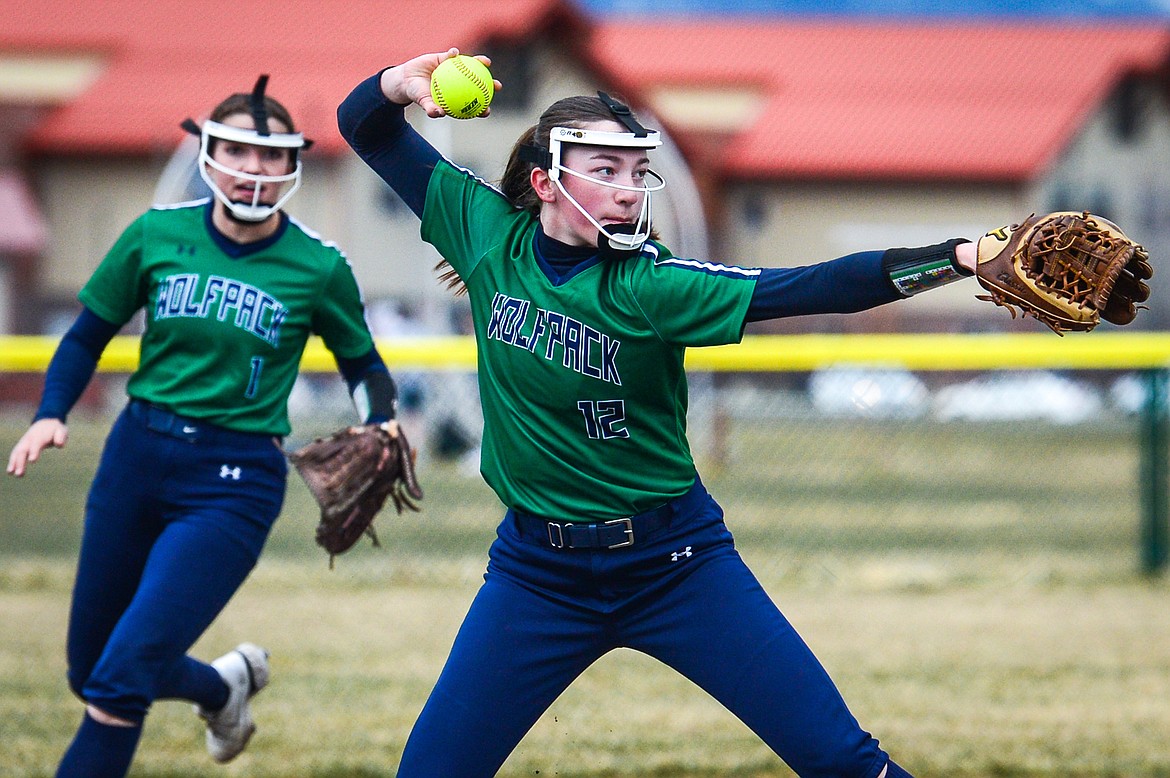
354 369
74 363
378 131
852 283
383 395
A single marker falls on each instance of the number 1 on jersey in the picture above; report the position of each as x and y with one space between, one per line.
603 418
254 378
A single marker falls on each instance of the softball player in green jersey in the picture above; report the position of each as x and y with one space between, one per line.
582 319
192 476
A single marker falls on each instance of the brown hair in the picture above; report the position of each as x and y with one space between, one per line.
241 102
567 112
516 183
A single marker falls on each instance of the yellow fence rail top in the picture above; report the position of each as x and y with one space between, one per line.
762 353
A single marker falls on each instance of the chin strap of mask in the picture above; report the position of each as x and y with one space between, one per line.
605 248
625 116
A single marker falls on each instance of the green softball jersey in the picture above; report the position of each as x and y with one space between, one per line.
582 383
224 334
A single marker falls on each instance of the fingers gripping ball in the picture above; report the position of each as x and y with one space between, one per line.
1067 269
462 86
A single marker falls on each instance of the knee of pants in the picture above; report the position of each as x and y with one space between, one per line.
128 704
124 683
864 760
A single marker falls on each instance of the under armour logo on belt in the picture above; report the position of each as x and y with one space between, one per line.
226 472
677 555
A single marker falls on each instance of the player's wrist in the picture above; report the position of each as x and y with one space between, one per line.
966 257
392 84
376 397
912 271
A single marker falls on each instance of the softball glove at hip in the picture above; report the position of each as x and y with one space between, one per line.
351 474
1067 269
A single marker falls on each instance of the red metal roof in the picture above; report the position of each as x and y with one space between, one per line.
868 100
166 60
842 99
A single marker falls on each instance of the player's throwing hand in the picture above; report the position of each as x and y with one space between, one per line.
410 82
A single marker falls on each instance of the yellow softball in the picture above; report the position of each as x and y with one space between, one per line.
462 87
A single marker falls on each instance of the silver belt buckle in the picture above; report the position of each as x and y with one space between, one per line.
629 530
557 539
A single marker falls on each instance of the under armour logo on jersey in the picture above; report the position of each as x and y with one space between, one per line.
226 472
677 555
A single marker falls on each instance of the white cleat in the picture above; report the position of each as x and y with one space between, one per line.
245 671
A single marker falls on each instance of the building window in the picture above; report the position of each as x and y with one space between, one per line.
390 203
512 66
754 212
1129 108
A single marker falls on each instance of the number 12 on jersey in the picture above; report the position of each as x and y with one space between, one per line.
604 419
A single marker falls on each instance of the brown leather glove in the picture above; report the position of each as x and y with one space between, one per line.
1067 269
351 473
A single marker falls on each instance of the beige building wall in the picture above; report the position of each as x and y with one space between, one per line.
88 202
1118 165
799 224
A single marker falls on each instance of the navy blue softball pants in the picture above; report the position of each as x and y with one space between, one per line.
682 595
177 516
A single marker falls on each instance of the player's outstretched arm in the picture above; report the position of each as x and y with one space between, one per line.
44 433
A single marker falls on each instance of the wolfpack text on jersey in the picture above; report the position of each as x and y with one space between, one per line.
567 405
226 324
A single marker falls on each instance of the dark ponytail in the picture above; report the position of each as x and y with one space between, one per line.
516 182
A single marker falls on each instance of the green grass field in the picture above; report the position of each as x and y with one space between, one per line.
973 589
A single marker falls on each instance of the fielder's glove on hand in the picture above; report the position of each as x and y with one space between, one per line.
350 474
1069 270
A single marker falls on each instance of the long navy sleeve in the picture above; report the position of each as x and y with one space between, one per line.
852 283
378 131
73 364
370 371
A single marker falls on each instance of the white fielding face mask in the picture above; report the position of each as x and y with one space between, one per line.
624 238
254 211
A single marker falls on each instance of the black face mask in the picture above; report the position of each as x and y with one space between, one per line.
606 250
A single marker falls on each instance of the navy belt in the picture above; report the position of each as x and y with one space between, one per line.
161 420
615 533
